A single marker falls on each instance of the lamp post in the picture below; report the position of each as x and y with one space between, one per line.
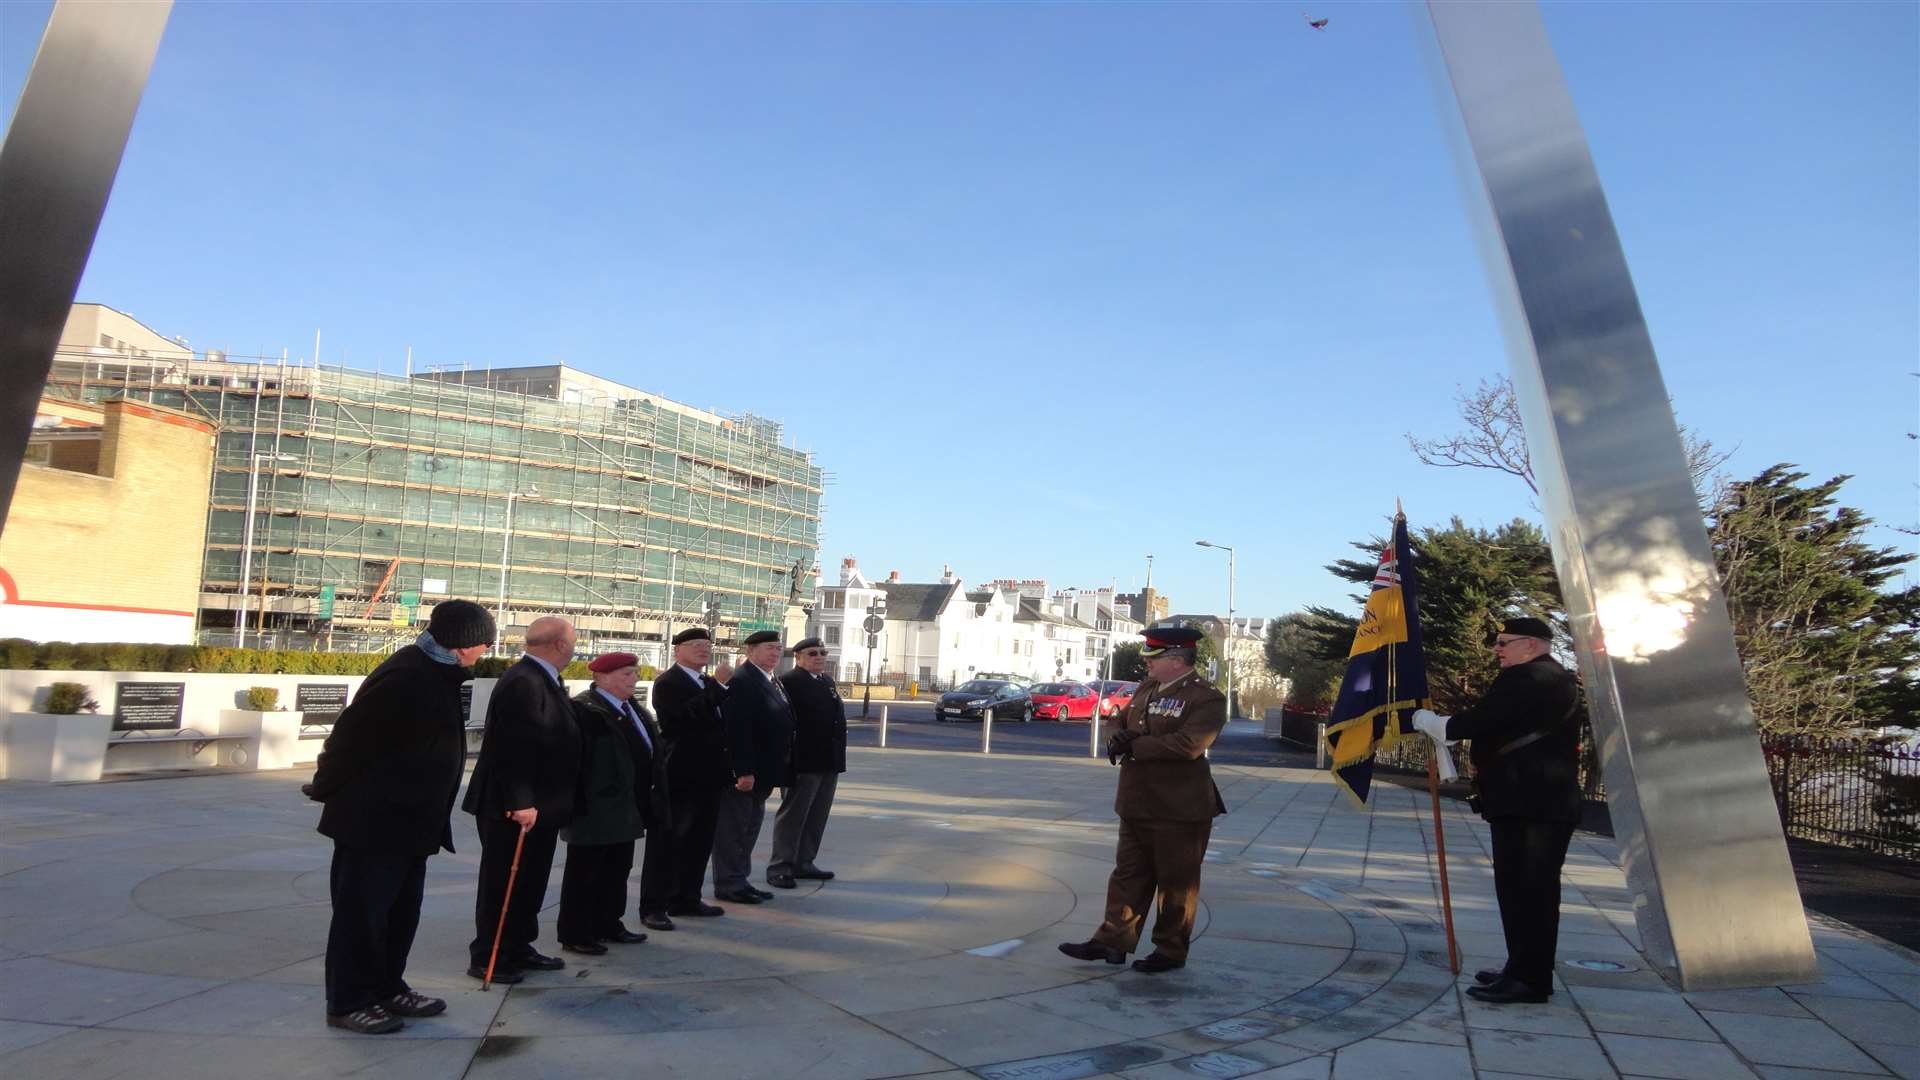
673 582
1226 640
506 548
246 542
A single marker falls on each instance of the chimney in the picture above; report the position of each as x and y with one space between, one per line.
893 577
846 570
946 575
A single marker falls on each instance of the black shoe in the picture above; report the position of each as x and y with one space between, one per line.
1489 976
533 961
738 896
624 936
781 881
1156 962
590 948
657 921
1508 991
502 973
408 1003
699 909
372 1020
761 893
1092 950
813 873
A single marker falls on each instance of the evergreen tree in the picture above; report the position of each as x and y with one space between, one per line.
1298 650
1826 644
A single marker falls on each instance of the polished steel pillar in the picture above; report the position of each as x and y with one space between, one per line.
1714 893
57 165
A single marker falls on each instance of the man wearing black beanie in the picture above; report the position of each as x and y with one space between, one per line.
387 776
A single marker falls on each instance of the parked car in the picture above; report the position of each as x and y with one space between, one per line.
1119 694
970 701
1063 701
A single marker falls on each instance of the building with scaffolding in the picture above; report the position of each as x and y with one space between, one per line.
535 490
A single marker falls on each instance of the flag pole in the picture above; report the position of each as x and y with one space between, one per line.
1433 792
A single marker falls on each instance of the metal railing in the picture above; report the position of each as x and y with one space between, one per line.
1857 793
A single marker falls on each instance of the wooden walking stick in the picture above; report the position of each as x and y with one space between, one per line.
1440 846
514 872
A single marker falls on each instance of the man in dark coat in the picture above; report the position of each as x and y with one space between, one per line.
624 785
819 757
526 781
1526 743
387 777
1166 801
687 703
759 749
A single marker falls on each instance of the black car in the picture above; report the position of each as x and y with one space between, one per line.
1009 701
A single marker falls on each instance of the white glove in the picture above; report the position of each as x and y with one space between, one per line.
1432 725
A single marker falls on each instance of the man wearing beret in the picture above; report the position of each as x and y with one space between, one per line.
1526 742
525 783
1166 802
759 748
625 794
687 702
819 757
388 776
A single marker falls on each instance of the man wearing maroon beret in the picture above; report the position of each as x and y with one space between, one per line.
623 789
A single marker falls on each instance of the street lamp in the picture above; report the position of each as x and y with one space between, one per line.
1226 639
506 548
673 582
246 543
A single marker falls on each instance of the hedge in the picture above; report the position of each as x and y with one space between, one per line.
18 654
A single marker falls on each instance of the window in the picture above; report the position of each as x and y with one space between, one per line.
1029 648
833 635
926 674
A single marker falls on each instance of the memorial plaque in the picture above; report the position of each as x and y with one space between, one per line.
466 704
321 702
148 706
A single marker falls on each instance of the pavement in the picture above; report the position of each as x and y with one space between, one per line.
174 927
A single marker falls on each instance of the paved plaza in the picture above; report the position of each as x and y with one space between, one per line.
174 928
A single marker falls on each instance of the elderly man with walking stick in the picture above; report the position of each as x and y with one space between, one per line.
525 788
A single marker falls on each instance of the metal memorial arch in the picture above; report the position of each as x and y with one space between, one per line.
1714 893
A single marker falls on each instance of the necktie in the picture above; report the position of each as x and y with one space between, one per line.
627 707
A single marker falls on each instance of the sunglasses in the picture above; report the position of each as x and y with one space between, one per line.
814 652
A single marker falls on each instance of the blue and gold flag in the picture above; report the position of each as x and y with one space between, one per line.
1386 677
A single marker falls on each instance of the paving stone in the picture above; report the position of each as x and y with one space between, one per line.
1764 1000
1864 1021
1902 1059
1851 986
1640 1055
1641 1012
64 993
1386 1059
1540 1055
1782 1040
102 1054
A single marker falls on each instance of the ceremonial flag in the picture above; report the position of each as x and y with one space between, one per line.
1386 677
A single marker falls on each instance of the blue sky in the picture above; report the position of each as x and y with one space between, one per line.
1047 287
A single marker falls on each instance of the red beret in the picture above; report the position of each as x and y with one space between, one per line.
612 661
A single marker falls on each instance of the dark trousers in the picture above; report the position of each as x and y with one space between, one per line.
1155 859
801 821
376 909
741 814
593 892
1527 857
497 838
675 866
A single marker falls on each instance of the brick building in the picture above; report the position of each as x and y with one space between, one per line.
108 526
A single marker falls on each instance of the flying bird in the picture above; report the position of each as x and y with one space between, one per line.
1317 24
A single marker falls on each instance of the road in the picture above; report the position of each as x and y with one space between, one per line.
910 725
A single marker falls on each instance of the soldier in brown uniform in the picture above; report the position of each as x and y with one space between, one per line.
1166 802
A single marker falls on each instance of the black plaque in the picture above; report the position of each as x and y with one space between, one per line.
148 706
466 703
320 702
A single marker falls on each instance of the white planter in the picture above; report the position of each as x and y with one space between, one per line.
57 749
273 738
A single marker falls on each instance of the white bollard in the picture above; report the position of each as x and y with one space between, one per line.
986 731
1320 747
883 725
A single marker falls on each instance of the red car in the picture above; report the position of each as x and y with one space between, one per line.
1062 701
1119 694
